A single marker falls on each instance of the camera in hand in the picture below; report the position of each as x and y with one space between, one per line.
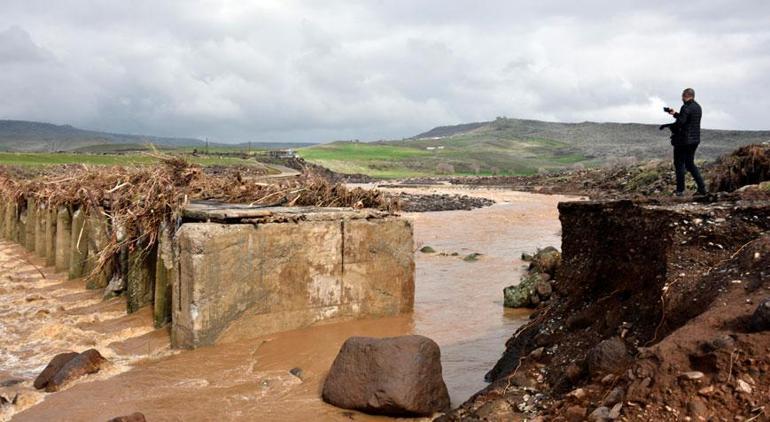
668 109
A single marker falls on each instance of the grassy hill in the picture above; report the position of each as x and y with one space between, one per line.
514 147
24 136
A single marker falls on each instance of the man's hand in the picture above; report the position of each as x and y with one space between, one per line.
671 111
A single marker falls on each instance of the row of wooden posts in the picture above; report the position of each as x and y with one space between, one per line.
71 239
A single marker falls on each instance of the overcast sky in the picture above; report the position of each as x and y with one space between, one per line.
235 70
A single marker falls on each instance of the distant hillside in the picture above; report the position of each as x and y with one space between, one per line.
594 140
515 147
17 135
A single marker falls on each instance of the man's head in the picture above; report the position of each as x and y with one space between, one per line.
688 94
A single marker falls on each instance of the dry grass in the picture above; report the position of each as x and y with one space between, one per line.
138 199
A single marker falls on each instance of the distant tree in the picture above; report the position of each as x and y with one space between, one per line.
495 171
476 167
445 168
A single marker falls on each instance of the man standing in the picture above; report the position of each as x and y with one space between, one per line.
685 139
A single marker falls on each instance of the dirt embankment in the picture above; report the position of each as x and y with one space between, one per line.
650 319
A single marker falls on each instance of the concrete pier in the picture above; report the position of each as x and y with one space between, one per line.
140 284
165 273
63 239
78 245
30 225
41 218
50 236
246 272
98 233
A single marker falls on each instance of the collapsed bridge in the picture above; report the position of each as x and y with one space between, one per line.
215 271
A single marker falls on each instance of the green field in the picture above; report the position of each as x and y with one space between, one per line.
46 159
466 154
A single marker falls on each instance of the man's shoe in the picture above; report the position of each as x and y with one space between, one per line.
701 193
677 193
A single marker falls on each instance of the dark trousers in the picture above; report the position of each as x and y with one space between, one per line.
684 160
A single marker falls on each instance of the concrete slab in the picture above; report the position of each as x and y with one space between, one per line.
288 268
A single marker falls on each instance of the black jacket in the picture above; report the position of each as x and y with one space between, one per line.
686 129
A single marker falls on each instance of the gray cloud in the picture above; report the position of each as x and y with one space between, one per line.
316 71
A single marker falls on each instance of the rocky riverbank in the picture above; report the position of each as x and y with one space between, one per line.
651 318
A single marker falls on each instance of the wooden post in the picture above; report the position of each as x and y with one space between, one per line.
78 244
63 242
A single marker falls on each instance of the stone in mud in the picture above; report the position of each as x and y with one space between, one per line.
88 362
397 376
53 367
609 356
600 414
297 372
614 397
427 249
760 319
134 417
546 261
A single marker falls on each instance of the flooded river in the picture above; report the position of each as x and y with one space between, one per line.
457 303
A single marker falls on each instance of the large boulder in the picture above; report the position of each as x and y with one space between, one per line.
396 376
608 357
88 362
54 366
134 417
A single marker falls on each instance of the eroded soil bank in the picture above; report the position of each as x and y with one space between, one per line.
458 303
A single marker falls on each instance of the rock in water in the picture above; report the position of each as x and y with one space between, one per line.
546 261
134 417
760 320
88 362
608 357
520 295
53 367
397 376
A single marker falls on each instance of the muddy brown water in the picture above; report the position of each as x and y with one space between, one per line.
457 303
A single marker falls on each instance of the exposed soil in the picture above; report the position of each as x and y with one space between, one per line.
674 284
